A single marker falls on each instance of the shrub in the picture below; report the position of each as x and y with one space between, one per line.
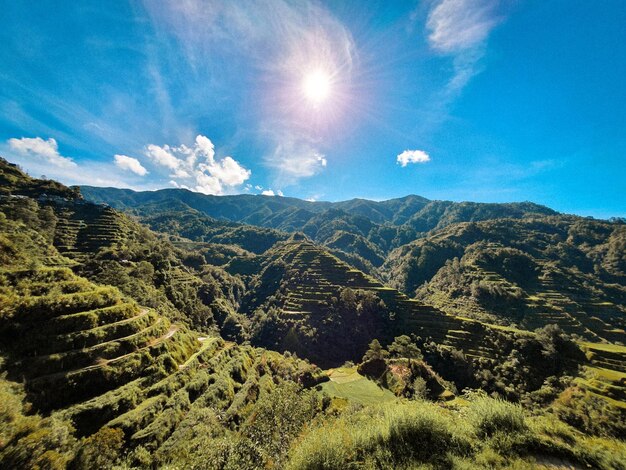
102 450
387 436
490 416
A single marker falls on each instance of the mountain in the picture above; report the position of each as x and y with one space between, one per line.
565 270
283 212
516 264
361 232
199 345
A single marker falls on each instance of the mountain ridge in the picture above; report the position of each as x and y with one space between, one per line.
106 195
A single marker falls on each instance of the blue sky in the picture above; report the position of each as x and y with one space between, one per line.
480 100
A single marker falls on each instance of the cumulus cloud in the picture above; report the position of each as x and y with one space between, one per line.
270 192
196 167
47 150
129 163
412 156
162 156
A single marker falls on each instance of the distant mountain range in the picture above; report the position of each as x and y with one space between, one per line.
287 213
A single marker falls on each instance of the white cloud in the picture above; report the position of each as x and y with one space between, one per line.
207 184
460 28
206 147
46 150
180 186
129 163
293 159
162 156
270 192
229 172
196 167
412 156
258 187
456 25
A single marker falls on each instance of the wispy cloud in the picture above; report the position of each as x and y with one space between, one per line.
457 25
44 150
460 28
412 156
129 163
293 159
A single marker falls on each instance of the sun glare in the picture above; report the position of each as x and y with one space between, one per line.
316 86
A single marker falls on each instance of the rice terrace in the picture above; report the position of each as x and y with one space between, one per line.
307 234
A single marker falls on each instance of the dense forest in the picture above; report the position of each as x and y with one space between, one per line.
170 329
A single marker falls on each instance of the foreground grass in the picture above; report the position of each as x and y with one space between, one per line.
486 434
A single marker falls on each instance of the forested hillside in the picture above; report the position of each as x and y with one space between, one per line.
182 339
361 231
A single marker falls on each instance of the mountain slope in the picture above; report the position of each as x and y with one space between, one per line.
374 227
565 270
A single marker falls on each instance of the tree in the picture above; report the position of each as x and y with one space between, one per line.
102 450
375 351
402 346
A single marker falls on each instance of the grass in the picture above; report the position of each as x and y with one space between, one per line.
486 434
608 374
347 383
613 348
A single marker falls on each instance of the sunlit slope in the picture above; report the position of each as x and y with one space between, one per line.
92 356
605 376
70 340
557 270
311 281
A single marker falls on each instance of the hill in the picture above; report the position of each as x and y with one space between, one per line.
279 212
360 230
568 271
122 347
519 264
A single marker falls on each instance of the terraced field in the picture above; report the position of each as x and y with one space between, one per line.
594 321
348 384
606 373
87 354
85 228
324 275
62 332
542 304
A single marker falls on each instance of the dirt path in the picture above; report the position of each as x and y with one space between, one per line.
103 362
104 343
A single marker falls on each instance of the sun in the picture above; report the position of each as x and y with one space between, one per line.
317 86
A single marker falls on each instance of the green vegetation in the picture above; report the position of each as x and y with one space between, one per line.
199 346
485 434
527 273
348 384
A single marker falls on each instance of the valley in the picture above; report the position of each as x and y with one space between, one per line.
147 330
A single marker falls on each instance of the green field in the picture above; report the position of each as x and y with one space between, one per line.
347 383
